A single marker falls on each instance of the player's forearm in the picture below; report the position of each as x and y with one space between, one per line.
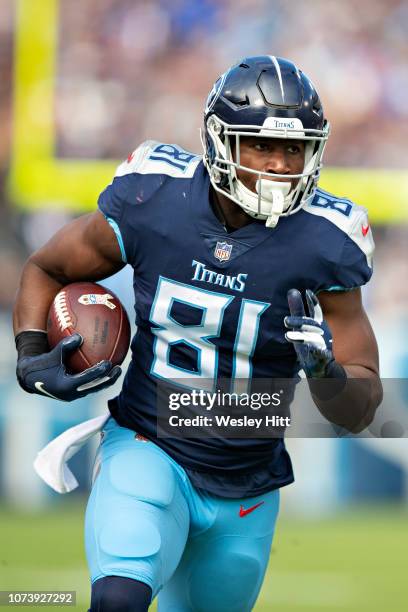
37 290
350 403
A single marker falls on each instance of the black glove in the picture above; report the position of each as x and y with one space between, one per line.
45 373
307 336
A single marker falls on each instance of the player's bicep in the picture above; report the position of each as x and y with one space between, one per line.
354 342
85 249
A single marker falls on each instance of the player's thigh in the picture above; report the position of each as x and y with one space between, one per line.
223 568
137 519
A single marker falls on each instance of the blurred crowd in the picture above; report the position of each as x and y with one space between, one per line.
135 69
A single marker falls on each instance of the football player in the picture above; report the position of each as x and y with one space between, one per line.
227 250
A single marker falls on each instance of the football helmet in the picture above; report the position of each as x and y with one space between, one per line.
263 96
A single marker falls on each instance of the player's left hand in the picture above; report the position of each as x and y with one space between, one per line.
307 334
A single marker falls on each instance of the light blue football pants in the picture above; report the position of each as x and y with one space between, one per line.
146 521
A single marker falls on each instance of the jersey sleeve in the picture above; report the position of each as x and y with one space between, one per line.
120 201
112 203
126 202
354 267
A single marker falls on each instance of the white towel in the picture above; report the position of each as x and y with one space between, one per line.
51 462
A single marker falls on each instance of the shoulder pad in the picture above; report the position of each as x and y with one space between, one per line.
347 216
153 157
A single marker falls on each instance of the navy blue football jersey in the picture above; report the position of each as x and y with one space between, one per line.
211 304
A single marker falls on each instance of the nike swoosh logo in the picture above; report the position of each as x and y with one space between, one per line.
364 230
244 512
39 386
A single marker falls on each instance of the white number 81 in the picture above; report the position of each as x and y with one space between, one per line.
169 333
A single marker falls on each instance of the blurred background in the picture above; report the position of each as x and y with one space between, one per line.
82 83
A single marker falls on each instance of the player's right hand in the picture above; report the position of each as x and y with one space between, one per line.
46 374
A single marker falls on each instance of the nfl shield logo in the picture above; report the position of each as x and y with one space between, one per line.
223 251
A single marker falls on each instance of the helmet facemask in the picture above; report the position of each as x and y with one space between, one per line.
274 199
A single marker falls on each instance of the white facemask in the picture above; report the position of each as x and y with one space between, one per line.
273 199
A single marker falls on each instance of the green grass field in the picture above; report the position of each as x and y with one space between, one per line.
356 561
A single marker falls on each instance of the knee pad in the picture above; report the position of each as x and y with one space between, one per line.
113 593
144 475
225 582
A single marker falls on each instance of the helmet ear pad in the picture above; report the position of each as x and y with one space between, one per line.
215 142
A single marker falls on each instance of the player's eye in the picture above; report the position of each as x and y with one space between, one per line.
261 146
293 149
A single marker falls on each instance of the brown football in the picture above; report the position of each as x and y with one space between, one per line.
97 314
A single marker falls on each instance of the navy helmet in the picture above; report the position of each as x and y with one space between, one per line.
269 97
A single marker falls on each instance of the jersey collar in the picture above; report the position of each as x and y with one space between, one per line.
209 225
